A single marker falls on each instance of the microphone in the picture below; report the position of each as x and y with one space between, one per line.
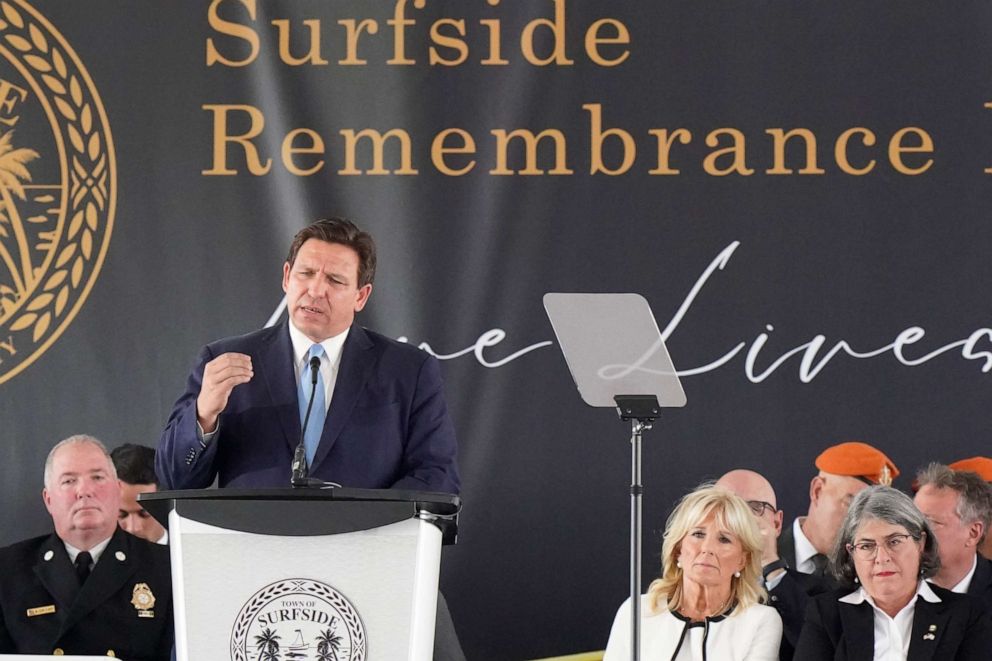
301 470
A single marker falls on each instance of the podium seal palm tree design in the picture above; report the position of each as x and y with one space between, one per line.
58 185
298 620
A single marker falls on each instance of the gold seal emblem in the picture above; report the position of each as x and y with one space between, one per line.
58 185
143 600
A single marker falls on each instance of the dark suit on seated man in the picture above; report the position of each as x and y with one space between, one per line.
90 587
958 505
379 418
788 590
386 424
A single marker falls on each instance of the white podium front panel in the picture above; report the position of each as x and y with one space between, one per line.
368 595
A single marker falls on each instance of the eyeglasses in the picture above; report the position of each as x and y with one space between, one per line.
867 550
758 507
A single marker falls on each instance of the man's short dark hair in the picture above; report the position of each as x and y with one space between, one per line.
345 232
135 464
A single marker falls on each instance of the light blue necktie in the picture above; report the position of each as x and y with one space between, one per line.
315 426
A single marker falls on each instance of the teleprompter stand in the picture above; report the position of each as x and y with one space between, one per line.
617 357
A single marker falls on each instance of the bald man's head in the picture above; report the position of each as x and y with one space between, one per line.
760 497
749 485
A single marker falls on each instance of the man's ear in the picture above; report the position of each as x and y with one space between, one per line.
975 531
816 488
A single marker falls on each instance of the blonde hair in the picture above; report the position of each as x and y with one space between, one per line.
732 513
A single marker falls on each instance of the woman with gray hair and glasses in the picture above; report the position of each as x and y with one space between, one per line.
885 610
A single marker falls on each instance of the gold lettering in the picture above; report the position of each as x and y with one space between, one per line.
665 147
989 107
736 150
593 40
8 346
598 137
557 27
530 141
378 141
897 149
312 56
445 41
289 150
7 102
495 52
354 32
780 138
840 151
222 138
399 23
231 29
439 150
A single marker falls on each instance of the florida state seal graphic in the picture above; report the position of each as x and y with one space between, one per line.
58 185
298 619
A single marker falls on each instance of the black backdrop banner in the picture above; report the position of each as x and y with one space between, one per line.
801 192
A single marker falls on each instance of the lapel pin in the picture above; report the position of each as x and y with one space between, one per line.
929 635
933 627
49 555
120 556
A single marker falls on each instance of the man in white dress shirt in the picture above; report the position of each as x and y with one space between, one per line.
958 506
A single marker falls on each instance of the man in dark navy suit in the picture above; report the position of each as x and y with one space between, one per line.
89 587
385 420
789 591
958 506
386 424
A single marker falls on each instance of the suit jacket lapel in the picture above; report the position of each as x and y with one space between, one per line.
982 579
929 624
356 366
858 622
57 575
276 368
107 578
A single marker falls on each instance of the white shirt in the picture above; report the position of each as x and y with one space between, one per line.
892 634
804 549
751 635
95 552
329 362
965 583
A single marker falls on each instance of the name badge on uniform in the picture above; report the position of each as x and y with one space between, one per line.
41 610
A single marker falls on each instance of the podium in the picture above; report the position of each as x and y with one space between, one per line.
294 574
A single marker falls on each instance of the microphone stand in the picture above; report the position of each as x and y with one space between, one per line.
301 469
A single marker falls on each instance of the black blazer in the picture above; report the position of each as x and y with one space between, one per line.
836 631
43 609
981 584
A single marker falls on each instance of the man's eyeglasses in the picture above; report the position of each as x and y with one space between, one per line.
759 506
867 550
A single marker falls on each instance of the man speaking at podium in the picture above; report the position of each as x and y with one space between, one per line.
378 418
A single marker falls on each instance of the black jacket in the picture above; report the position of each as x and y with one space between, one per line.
956 629
43 609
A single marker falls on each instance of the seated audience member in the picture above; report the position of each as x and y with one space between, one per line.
983 467
845 470
89 587
706 604
135 466
958 506
788 590
884 609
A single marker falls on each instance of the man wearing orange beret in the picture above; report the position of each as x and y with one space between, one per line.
983 467
844 470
